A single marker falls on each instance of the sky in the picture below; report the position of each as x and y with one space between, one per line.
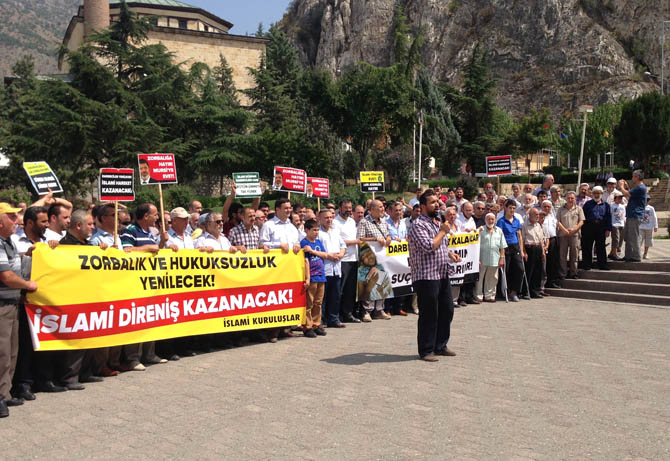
244 14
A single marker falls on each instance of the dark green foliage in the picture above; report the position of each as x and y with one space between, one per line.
644 130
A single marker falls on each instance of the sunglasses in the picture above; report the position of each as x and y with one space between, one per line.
220 221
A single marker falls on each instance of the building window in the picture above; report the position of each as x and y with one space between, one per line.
183 24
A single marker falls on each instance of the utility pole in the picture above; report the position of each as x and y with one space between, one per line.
585 110
420 143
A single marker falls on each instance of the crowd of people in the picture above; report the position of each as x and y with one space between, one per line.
528 241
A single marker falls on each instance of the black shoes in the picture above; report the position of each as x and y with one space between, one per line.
92 379
309 333
4 411
49 386
14 402
337 325
23 392
350 319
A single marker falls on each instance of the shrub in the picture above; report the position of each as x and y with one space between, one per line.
15 195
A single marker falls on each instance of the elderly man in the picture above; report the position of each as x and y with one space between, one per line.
178 237
373 228
552 262
547 182
491 196
583 196
596 229
358 214
346 225
534 243
138 237
212 239
11 284
528 203
491 257
556 200
195 207
637 201
395 222
570 219
335 249
479 213
429 257
466 219
489 190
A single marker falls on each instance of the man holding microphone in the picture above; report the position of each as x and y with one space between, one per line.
429 262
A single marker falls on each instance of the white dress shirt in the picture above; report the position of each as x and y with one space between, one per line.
348 231
208 240
466 225
50 235
549 225
332 243
185 243
275 232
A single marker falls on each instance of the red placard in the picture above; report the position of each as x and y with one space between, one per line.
116 185
289 180
157 169
318 187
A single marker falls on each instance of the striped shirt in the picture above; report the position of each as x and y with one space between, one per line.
369 228
9 261
425 262
135 236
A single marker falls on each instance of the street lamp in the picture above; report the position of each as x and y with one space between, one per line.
585 110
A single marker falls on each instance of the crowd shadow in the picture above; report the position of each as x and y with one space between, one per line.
362 358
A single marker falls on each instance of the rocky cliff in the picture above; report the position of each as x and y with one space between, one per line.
545 53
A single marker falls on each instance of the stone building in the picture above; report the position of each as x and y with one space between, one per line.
190 33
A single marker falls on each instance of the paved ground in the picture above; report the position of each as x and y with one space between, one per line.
544 380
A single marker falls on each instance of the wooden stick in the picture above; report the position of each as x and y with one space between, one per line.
318 204
160 196
116 222
498 184
373 196
289 196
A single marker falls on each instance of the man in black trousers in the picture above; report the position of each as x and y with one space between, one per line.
597 227
429 262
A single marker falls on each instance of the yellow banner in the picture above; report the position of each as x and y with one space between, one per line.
372 176
89 298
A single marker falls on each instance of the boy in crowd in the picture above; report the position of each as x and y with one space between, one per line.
315 280
648 226
618 212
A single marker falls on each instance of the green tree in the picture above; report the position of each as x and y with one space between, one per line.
599 139
644 130
440 135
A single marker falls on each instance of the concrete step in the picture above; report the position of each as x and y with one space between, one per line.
626 276
651 300
655 289
641 266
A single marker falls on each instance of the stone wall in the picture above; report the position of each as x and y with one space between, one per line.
240 54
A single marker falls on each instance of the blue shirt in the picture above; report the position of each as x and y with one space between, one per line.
317 270
510 230
600 211
399 232
637 202
135 236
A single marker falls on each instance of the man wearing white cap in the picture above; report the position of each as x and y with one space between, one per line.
178 238
618 212
491 257
597 227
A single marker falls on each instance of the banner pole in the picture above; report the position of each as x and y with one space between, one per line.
373 196
318 204
498 184
289 196
160 196
116 222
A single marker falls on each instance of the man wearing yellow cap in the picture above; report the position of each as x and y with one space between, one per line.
11 285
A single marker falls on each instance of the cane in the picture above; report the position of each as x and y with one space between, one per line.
503 280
